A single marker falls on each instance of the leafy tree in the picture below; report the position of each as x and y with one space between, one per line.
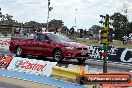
119 23
43 24
33 24
54 24
94 29
7 19
7 22
129 28
65 29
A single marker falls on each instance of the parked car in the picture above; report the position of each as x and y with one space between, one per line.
49 45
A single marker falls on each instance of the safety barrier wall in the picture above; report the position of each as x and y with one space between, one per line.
46 68
31 66
64 72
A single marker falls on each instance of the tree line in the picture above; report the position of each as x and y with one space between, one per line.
120 26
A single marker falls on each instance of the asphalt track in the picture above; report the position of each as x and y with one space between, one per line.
6 82
5 85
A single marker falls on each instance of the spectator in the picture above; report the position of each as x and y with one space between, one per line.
13 31
130 38
44 30
125 39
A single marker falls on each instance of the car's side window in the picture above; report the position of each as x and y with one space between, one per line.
46 37
38 37
41 37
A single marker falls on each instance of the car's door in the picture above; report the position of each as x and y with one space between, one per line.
27 46
35 45
45 46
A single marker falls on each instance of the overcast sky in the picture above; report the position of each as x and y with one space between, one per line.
87 14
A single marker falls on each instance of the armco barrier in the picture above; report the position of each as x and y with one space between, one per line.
66 73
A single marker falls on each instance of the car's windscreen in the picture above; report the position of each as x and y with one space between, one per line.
59 37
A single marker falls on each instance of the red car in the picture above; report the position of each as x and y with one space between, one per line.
49 45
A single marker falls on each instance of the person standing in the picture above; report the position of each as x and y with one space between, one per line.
13 31
125 39
130 38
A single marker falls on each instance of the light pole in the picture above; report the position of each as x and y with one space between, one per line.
48 16
49 9
0 13
76 18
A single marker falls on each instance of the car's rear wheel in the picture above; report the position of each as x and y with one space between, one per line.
58 55
81 60
19 52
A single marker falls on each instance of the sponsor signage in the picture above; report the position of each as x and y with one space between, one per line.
108 78
31 66
5 41
115 54
4 61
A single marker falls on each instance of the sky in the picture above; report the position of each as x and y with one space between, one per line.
86 12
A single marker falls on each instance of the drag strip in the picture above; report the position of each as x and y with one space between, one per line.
110 64
6 82
94 63
5 85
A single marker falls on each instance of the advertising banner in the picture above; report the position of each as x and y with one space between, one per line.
31 66
114 54
108 78
5 41
4 45
117 79
129 84
4 61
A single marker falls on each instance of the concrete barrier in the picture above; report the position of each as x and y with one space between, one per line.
31 66
66 73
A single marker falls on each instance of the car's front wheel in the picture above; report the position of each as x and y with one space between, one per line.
58 55
81 60
19 52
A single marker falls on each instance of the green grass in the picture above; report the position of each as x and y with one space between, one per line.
116 43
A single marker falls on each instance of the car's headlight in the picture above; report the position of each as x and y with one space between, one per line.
69 48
